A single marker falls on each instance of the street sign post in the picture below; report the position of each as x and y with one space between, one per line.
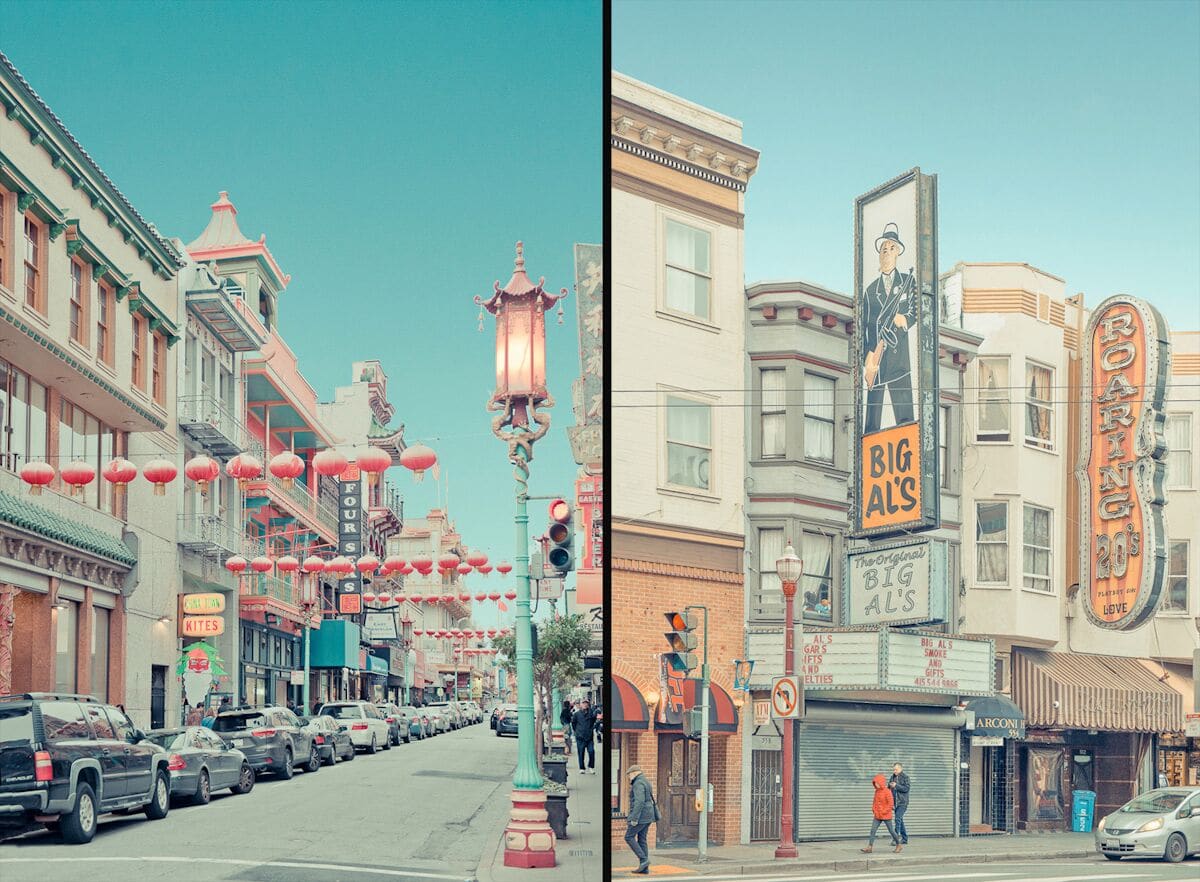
785 698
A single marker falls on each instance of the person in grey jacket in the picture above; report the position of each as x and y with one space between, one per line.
643 811
900 786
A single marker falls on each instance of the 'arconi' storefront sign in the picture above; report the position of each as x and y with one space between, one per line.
896 583
1122 463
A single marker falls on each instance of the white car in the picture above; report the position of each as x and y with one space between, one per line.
367 727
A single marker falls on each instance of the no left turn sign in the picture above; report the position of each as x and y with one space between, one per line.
785 698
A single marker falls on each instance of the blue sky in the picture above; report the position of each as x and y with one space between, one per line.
393 154
1065 135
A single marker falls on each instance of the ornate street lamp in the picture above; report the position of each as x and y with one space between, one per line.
520 308
789 569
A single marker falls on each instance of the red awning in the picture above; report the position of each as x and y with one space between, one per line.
626 710
722 715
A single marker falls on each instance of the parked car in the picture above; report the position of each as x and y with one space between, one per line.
272 738
412 719
333 742
506 720
201 762
365 724
1159 823
58 764
471 712
450 708
440 718
397 730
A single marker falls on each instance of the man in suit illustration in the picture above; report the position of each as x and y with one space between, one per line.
889 312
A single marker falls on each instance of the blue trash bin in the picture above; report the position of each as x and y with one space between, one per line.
1083 810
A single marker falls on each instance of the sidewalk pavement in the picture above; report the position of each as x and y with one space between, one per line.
844 854
580 857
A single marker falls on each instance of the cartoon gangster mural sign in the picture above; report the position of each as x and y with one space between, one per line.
1122 463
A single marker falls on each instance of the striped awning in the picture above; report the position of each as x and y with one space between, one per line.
722 714
626 709
1103 692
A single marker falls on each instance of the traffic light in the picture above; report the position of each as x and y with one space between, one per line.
561 554
682 640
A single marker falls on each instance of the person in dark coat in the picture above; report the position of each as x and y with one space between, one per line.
899 785
583 727
643 812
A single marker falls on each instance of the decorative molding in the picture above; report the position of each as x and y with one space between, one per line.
676 570
74 246
688 168
98 271
37 138
57 230
24 200
648 135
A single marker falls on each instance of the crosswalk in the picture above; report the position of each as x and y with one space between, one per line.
1041 871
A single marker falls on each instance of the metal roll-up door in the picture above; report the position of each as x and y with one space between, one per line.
838 760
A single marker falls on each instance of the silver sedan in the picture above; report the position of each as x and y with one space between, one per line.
201 762
1163 823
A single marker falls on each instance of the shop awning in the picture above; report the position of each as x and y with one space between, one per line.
996 715
626 710
1076 691
1178 677
722 715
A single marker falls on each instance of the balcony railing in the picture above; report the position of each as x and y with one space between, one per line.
279 589
210 534
213 425
319 510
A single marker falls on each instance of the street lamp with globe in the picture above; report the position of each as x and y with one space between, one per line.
789 568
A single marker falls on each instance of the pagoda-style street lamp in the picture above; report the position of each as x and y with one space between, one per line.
520 311
789 568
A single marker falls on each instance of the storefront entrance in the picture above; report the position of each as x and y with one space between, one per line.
678 779
766 777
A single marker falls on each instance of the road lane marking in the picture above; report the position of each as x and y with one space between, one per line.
406 874
913 875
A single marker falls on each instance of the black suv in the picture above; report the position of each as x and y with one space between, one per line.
66 759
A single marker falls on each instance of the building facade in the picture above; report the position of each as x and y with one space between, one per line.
679 176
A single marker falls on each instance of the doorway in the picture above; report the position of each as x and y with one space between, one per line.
678 780
158 696
766 791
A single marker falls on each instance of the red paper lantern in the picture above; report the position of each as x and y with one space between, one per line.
119 472
447 598
314 564
510 595
477 558
393 562
340 566
261 564
246 467
287 564
485 569
286 467
236 564
417 632
495 595
406 570
368 564
374 462
418 458
78 474
465 598
504 568
491 632
369 596
464 568
329 463
416 598
422 562
202 470
448 561
160 473
481 596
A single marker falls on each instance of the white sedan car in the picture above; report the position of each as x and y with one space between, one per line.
366 726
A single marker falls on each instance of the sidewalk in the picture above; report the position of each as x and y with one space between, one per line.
580 857
844 854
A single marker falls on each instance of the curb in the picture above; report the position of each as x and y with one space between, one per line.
864 864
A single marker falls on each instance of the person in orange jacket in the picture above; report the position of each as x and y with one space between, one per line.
883 808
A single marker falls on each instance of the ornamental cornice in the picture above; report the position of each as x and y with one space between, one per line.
71 563
680 165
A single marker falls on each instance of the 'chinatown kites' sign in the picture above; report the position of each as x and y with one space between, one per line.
1122 463
894 358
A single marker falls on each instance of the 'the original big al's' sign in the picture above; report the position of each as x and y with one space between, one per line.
1122 463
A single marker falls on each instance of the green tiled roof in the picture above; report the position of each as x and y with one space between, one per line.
20 513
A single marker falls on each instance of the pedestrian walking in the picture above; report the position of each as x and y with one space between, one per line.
883 809
583 726
643 811
899 785
225 705
195 716
210 717
564 717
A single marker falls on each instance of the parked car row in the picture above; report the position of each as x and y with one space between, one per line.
66 759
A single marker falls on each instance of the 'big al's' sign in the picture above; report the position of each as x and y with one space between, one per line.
1122 462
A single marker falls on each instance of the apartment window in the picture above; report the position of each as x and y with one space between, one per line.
774 415
158 384
688 271
818 417
815 591
105 309
83 437
1176 598
1179 446
24 427
1036 546
66 646
100 653
769 603
993 400
34 270
689 442
1039 415
991 542
944 445
138 371
78 303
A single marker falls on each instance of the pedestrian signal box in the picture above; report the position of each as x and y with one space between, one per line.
682 640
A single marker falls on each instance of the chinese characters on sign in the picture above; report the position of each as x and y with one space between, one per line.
1122 463
895 357
350 540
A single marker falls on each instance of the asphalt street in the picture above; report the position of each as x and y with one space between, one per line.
1092 869
421 811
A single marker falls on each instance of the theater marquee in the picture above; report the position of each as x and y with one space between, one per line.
1122 463
894 358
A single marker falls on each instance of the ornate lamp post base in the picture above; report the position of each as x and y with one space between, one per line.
528 839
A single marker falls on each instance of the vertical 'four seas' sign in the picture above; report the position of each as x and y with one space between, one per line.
1122 462
350 539
894 357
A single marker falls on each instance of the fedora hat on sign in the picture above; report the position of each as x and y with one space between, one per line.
890 233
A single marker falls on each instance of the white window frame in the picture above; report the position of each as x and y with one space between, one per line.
1171 474
767 568
764 412
708 322
944 410
1002 394
1049 549
1006 543
664 484
1187 587
1033 441
832 421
